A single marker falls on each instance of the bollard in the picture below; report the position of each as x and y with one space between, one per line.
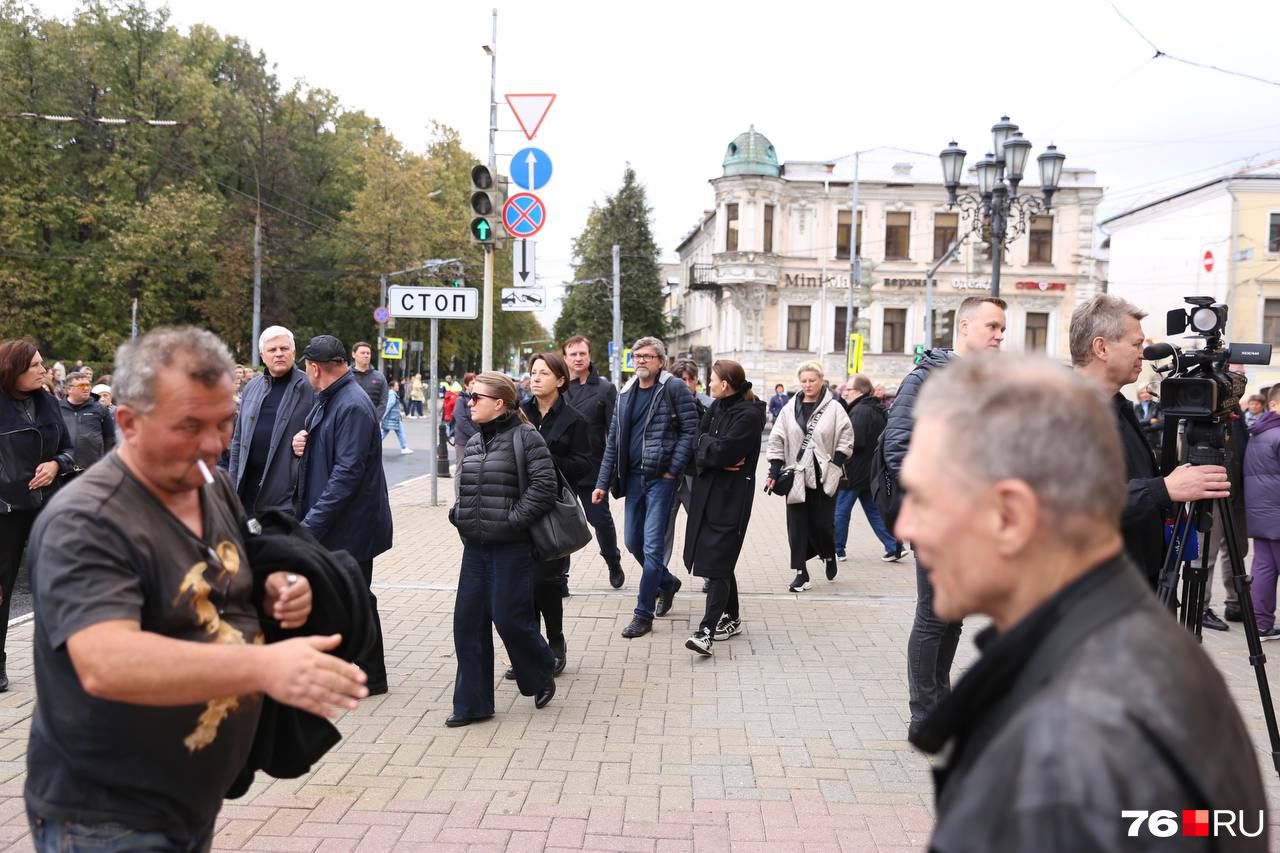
442 452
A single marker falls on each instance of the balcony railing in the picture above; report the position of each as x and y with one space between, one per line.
702 277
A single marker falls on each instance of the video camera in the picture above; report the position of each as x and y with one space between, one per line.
1199 386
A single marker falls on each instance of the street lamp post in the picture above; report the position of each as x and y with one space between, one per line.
997 208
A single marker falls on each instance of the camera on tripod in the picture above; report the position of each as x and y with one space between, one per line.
1199 386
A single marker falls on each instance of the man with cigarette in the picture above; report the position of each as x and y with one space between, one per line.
342 491
149 660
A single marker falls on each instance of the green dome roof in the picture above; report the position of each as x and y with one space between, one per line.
751 154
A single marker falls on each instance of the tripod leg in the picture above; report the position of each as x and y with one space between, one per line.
1193 605
1168 581
1257 659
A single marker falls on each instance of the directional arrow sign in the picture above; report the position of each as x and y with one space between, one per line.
523 262
531 168
530 110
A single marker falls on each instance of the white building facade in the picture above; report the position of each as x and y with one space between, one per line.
765 276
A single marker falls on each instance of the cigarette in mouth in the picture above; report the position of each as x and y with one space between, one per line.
204 471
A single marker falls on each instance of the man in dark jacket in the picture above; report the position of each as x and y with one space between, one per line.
595 399
649 444
868 415
273 408
1106 346
980 324
777 401
1063 726
92 430
342 491
368 377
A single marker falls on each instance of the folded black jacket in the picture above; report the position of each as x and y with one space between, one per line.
289 740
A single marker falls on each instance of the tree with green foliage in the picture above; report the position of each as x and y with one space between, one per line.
623 220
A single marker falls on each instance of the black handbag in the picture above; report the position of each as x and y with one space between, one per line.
787 476
564 528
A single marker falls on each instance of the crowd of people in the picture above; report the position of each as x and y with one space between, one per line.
141 513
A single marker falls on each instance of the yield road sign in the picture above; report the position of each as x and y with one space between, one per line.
523 263
393 348
524 298
531 168
440 303
530 110
381 314
524 214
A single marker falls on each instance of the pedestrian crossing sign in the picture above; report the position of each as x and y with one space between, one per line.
393 348
628 363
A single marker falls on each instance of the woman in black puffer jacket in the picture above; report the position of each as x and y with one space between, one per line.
495 587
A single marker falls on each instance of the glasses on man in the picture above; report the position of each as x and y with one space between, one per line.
645 357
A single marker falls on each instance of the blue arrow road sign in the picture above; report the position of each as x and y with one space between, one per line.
524 215
531 168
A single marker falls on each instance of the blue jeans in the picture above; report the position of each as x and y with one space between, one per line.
645 521
399 431
66 837
495 587
845 499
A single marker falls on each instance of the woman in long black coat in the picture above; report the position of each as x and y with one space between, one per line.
726 454
565 432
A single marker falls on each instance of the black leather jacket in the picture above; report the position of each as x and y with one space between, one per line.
24 445
490 509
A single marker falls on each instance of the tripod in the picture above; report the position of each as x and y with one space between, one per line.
1207 445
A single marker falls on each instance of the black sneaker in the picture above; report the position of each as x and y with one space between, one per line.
617 577
831 569
727 627
638 628
1272 633
666 597
1233 613
893 556
700 642
1211 621
801 583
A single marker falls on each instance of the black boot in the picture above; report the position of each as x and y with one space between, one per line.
4 676
558 649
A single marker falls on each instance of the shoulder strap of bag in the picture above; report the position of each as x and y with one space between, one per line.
517 442
813 425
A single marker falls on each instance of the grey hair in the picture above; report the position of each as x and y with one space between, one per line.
658 346
1103 317
276 332
862 384
685 368
198 352
1034 421
810 367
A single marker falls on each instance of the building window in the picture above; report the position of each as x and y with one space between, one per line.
1041 240
838 339
798 326
1037 338
897 236
731 228
1273 234
1271 322
894 338
768 228
943 328
945 228
842 234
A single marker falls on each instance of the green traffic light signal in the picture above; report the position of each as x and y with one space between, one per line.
481 230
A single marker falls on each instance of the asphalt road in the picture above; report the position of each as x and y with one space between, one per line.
398 468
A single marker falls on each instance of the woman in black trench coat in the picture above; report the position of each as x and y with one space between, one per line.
726 453
566 435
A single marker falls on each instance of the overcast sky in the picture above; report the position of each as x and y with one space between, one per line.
666 85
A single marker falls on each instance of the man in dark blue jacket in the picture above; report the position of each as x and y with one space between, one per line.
342 491
650 441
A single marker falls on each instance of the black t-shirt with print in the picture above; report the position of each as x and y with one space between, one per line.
105 549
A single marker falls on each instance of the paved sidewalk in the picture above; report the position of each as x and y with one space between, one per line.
792 737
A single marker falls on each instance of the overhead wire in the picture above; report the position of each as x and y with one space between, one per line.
1159 54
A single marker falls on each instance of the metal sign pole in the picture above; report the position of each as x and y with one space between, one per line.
435 406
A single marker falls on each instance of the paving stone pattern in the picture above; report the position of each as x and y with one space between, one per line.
791 737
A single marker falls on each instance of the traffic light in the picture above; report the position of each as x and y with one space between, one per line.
485 205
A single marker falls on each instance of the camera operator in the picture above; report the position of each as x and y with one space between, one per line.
1106 346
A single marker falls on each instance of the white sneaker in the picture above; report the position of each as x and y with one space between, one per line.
700 642
727 627
842 557
405 450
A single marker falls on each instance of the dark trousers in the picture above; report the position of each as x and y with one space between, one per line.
15 527
722 598
811 528
495 588
548 602
600 518
930 650
375 666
